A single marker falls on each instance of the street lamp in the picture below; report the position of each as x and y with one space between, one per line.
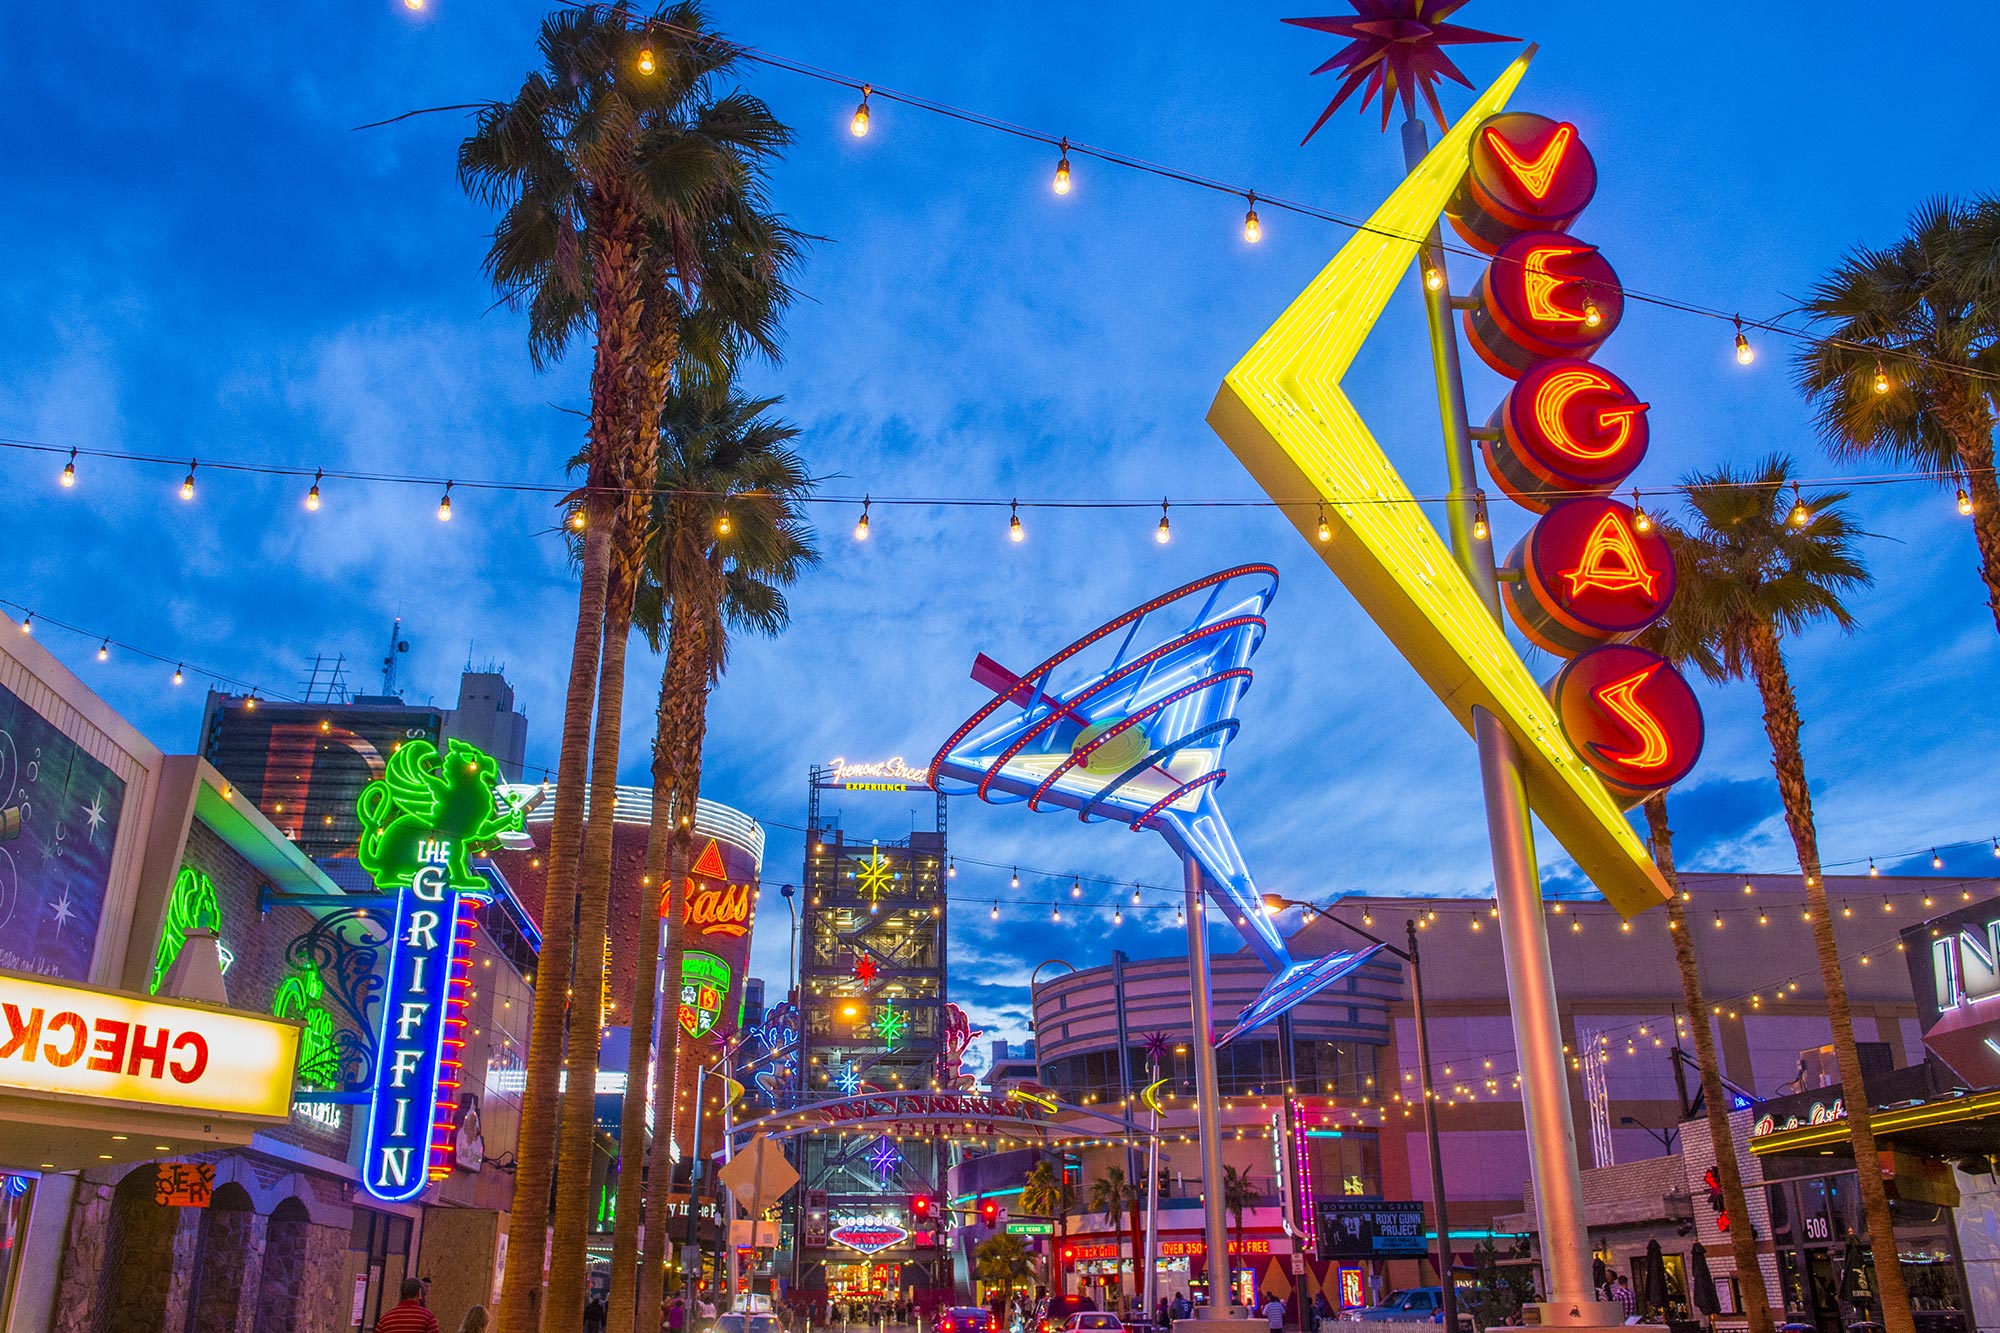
787 892
1274 902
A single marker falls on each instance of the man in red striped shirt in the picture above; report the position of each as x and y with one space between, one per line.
410 1315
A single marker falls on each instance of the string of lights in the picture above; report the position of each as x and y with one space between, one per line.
32 620
1063 179
312 498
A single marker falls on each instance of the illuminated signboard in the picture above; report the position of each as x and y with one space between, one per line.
1525 173
704 990
1284 414
1088 1250
1631 716
420 823
71 1041
713 906
1188 1249
1955 974
1369 1229
891 774
1353 1289
868 1235
1589 573
1544 295
1566 428
191 906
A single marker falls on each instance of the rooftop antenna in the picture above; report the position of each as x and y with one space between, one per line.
398 645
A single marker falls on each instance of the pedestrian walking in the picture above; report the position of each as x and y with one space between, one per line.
1274 1314
474 1321
409 1315
593 1316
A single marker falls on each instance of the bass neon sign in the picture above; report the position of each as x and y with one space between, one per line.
710 904
421 822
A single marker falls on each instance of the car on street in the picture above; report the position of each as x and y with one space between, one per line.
1054 1313
1413 1305
735 1322
966 1319
1094 1321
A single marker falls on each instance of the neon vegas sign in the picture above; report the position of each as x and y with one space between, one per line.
868 1235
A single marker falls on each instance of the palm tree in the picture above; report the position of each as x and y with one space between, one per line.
1758 561
1902 369
1110 1194
604 165
1046 1193
1004 1262
1239 1192
721 455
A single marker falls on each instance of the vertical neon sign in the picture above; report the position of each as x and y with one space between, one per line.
421 821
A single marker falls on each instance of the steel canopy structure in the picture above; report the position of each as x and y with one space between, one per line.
1131 722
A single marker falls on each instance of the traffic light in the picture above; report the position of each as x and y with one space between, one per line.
989 1212
1713 1184
920 1207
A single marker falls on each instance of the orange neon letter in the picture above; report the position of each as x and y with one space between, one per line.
1538 174
1553 397
1540 282
1621 699
1612 561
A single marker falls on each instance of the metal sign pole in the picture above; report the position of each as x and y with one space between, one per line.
1208 1103
1524 940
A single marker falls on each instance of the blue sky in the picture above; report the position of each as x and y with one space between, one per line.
204 260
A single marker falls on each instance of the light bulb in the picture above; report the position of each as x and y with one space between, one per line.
1015 882
1964 501
1744 354
951 868
576 519
1135 895
312 495
69 471
1014 532
1641 520
722 524
413 4
444 504
1800 515
187 484
646 65
861 524
1253 231
1325 528
1592 316
1433 277
1881 379
1871 867
1055 912
1062 171
996 909
1479 529
859 126
104 651
1165 532
1118 916
1076 888
1937 862
177 673
28 627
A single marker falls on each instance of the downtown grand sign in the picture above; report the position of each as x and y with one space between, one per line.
70 1041
922 1114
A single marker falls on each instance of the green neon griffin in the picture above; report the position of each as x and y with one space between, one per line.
192 907
429 809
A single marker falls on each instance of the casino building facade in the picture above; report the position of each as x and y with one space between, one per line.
1339 1081
193 1165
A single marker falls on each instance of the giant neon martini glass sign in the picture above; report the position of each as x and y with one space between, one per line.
1130 722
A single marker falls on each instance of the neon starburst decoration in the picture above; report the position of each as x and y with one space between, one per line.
876 875
864 968
1395 48
891 1024
885 1157
847 1079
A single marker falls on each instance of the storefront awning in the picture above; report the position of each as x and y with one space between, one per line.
1962 1124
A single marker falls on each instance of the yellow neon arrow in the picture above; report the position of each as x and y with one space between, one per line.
1151 1096
1283 414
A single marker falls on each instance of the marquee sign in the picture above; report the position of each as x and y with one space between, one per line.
1285 414
1954 964
75 1041
1591 574
892 774
704 991
421 821
868 1235
711 905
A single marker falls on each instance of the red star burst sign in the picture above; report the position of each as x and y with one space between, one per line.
1395 48
864 968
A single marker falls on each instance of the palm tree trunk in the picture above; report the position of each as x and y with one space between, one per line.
637 528
569 1261
1975 450
676 756
1782 726
1749 1273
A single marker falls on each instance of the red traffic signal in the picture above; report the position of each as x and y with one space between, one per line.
920 1207
989 1211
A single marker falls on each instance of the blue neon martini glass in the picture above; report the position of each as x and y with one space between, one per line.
1130 722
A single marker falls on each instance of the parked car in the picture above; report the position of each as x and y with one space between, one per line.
1413 1305
966 1319
1094 1321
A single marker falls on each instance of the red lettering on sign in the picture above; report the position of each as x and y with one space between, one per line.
107 1053
1536 172
142 1051
22 1033
1630 716
1544 295
197 1048
1611 560
1588 576
80 1033
1621 699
